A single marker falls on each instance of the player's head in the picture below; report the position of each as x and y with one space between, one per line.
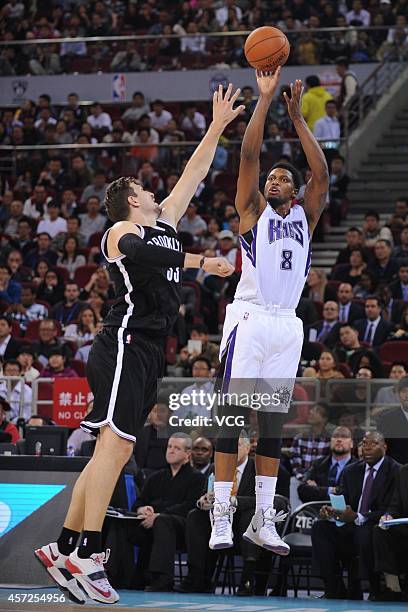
126 196
282 184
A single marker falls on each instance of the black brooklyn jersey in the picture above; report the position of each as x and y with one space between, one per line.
147 298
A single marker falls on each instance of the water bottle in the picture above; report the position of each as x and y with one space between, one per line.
37 449
210 486
70 451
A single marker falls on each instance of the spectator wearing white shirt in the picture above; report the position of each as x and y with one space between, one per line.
145 123
98 119
26 359
200 392
92 221
20 395
159 116
226 247
73 48
55 223
193 122
192 44
191 222
221 14
138 108
358 15
45 118
28 310
97 188
328 127
36 206
400 23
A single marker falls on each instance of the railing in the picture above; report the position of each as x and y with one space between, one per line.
370 92
178 51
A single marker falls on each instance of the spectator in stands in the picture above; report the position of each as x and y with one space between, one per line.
384 267
348 311
325 331
193 43
373 329
42 250
388 396
327 128
397 220
358 16
8 346
36 206
98 303
99 281
349 82
97 188
86 328
149 177
145 123
349 343
23 236
366 358
367 487
372 231
391 309
16 215
150 453
399 288
53 177
328 370
127 60
69 205
55 222
354 239
44 61
317 288
400 252
74 106
99 119
138 108
209 350
193 122
51 289
10 290
191 222
68 310
8 432
324 475
80 175
25 358
394 424
226 246
92 221
28 310
201 456
312 445
56 366
401 331
314 101
79 436
164 502
20 396
70 258
159 116
18 272
48 340
391 545
39 272
199 392
365 286
351 273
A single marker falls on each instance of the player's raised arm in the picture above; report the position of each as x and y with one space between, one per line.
317 187
249 202
175 205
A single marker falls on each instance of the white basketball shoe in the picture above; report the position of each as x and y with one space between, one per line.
221 522
262 531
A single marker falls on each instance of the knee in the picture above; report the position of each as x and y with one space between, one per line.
162 522
118 448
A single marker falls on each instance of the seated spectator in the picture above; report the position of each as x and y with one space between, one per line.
10 290
86 328
18 272
317 288
313 444
73 231
138 108
51 289
192 44
97 301
149 177
384 267
70 257
68 310
14 218
366 358
127 60
367 486
365 286
401 331
47 341
401 251
79 436
159 116
348 343
348 311
328 370
199 392
56 366
373 329
39 272
23 239
8 346
399 288
36 206
145 123
82 353
69 206
20 396
354 239
209 350
358 16
226 246
98 119
397 220
191 222
53 177
92 221
394 424
323 477
372 230
391 309
42 250
26 358
150 452
193 122
351 273
391 545
96 189
8 431
325 331
201 456
164 502
100 282
81 175
55 223
388 396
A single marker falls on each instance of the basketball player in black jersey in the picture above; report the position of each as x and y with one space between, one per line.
127 358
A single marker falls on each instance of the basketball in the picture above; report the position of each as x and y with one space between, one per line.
266 48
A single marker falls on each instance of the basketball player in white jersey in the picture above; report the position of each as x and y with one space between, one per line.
262 337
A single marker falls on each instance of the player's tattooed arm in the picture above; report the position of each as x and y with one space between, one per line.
249 201
175 205
317 187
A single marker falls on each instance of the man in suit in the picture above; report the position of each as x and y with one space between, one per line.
348 312
391 308
399 288
151 447
367 487
201 456
326 330
349 343
373 329
8 346
393 422
391 543
323 477
384 267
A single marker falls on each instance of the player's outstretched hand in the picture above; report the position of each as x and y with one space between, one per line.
218 266
294 102
223 111
268 82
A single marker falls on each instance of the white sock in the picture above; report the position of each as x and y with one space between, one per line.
265 487
222 491
392 582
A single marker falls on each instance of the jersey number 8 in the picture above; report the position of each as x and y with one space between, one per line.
286 263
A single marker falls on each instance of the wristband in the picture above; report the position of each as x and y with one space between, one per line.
202 262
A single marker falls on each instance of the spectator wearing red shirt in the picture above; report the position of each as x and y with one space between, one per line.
56 367
5 426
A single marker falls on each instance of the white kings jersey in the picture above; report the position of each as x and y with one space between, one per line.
276 255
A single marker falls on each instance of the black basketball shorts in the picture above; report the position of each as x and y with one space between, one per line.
124 370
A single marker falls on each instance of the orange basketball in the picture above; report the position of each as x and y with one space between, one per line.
266 48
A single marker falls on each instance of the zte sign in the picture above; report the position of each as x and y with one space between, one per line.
304 522
19 501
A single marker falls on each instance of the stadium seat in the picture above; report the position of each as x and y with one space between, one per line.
32 330
15 329
62 273
95 239
394 351
45 394
84 273
79 367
